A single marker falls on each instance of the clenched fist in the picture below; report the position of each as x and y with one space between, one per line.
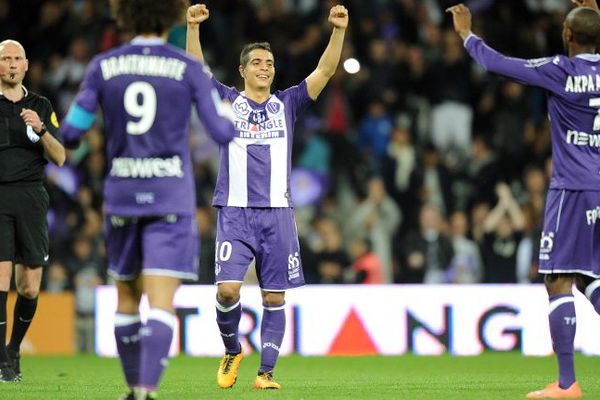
197 14
338 16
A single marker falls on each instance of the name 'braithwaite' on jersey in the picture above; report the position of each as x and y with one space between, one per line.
573 85
256 165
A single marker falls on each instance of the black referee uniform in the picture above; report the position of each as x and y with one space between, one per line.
23 198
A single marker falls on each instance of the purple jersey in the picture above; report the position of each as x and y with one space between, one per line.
573 85
146 90
255 166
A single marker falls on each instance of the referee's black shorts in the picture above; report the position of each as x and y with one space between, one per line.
24 224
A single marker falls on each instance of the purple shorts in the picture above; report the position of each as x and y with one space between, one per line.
570 241
267 234
166 246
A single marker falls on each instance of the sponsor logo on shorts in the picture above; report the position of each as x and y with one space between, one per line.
293 266
546 245
592 215
217 269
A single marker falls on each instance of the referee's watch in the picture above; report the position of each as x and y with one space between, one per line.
42 131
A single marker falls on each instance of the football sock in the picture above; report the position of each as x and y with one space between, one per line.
272 329
3 355
562 329
23 315
228 320
156 336
592 292
127 335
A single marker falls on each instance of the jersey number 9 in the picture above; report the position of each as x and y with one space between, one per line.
140 102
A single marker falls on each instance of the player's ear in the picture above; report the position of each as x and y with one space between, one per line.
568 34
241 69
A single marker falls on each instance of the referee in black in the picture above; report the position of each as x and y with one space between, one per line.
28 137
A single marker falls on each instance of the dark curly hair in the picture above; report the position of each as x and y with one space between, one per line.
148 16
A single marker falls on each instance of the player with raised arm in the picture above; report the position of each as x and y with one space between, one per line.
255 216
146 90
570 240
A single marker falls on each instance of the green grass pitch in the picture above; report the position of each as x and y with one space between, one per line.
490 376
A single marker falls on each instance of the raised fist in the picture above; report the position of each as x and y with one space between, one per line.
338 16
197 13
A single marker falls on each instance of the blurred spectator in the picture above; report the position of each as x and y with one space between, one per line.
374 134
57 279
451 91
483 171
503 228
426 253
399 164
432 182
331 259
466 266
367 266
378 218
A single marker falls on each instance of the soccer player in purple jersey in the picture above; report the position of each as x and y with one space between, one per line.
571 237
255 217
146 90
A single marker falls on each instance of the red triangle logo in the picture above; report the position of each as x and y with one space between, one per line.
353 338
254 128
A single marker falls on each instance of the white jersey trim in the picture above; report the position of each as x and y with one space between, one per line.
170 273
568 271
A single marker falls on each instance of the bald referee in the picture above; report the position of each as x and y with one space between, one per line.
28 138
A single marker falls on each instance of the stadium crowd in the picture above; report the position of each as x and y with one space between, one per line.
419 168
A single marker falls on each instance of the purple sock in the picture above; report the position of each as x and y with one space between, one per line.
156 336
127 335
592 292
562 329
271 335
228 319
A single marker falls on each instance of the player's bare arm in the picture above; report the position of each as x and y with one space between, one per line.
316 81
53 149
586 3
196 14
461 16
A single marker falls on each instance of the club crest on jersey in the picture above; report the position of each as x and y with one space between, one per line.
273 107
258 117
